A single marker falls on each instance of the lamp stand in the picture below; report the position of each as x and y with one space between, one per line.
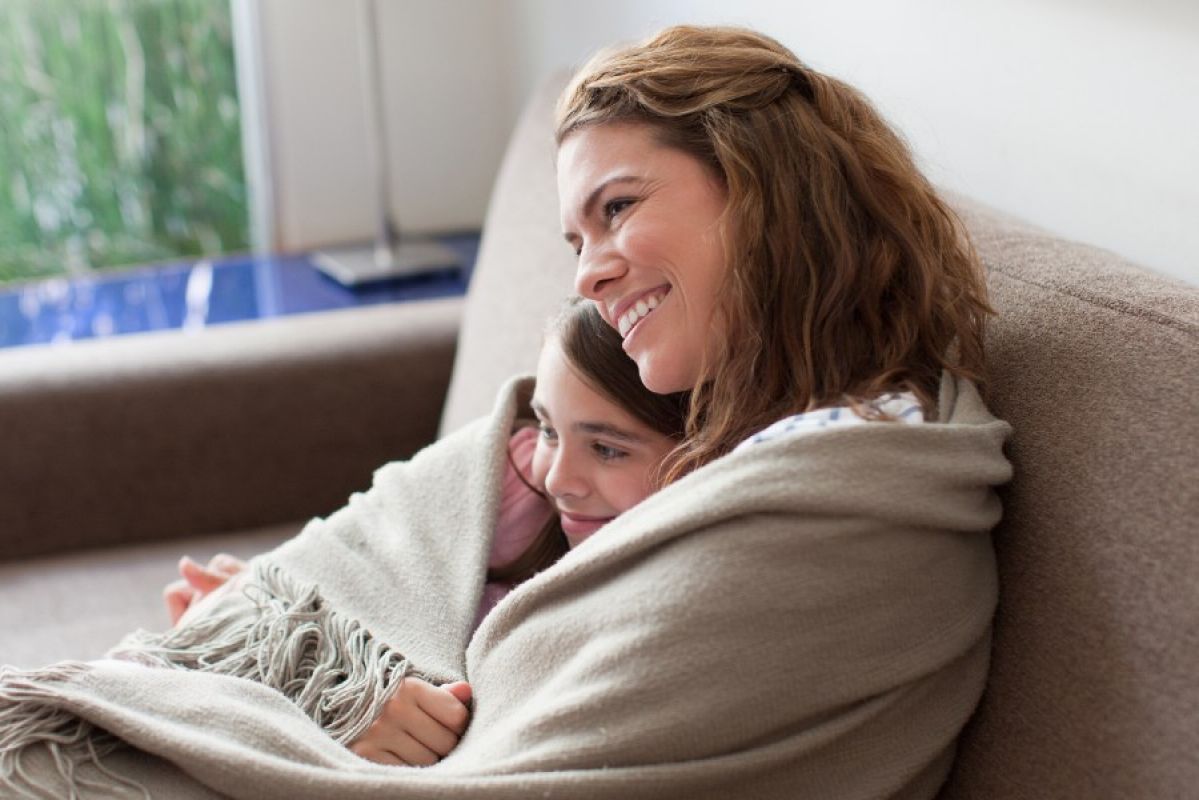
390 256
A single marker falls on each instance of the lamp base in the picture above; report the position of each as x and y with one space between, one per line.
353 266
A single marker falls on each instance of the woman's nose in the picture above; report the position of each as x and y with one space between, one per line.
598 266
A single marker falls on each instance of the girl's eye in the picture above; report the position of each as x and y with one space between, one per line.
546 432
612 208
607 453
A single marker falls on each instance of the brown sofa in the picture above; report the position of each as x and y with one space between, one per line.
117 456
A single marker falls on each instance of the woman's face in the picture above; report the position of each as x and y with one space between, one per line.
644 220
594 459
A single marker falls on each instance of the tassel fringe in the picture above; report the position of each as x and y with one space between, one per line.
286 638
32 723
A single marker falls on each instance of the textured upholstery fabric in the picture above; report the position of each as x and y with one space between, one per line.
1095 362
79 604
524 270
1093 689
190 443
159 435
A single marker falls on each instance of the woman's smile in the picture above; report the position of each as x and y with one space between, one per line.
631 311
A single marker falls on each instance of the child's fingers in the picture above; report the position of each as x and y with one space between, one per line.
178 595
226 564
409 731
379 756
443 706
404 713
431 733
413 752
407 749
202 579
460 690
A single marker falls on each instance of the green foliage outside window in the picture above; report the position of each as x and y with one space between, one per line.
120 136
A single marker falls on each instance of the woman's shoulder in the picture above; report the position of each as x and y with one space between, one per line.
896 407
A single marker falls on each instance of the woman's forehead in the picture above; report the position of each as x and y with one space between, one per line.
599 156
597 153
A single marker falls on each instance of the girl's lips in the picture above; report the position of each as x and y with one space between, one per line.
574 525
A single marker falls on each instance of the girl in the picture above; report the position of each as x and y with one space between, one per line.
600 437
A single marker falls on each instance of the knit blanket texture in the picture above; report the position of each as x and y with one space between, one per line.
807 617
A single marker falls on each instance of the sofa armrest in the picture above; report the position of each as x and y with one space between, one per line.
158 436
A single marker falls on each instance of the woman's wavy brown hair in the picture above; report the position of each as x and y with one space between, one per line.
849 276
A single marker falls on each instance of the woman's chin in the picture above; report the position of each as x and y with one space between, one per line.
660 378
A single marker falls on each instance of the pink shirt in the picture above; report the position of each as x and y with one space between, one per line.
522 515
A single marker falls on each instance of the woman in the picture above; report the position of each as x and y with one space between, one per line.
775 228
759 236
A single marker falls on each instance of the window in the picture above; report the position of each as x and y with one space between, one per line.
121 140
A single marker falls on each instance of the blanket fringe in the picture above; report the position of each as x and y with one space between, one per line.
290 640
286 638
31 722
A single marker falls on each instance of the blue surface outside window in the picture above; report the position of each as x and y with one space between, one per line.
197 293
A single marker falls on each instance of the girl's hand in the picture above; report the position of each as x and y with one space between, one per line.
197 581
419 726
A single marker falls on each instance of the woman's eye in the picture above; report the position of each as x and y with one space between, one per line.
612 208
608 453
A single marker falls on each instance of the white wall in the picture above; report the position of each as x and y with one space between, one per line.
445 76
1079 115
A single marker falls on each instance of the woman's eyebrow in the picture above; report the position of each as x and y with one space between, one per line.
594 195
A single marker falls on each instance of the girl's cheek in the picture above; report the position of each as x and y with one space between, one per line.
541 465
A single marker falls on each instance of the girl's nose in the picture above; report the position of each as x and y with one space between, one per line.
563 479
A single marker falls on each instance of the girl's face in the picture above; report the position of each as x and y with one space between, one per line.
644 220
594 459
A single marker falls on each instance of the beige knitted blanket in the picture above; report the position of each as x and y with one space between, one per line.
807 617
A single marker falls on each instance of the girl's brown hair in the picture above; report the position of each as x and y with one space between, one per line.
848 276
594 350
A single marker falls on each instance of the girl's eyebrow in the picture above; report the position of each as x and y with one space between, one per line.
609 430
594 428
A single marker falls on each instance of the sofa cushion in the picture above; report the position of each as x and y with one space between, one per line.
1092 691
80 604
524 270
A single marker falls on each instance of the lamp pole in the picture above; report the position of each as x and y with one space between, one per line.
390 256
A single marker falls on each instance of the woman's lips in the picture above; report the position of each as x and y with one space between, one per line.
630 312
575 525
630 336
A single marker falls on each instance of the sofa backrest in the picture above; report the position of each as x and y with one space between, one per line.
1092 691
524 270
1094 683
